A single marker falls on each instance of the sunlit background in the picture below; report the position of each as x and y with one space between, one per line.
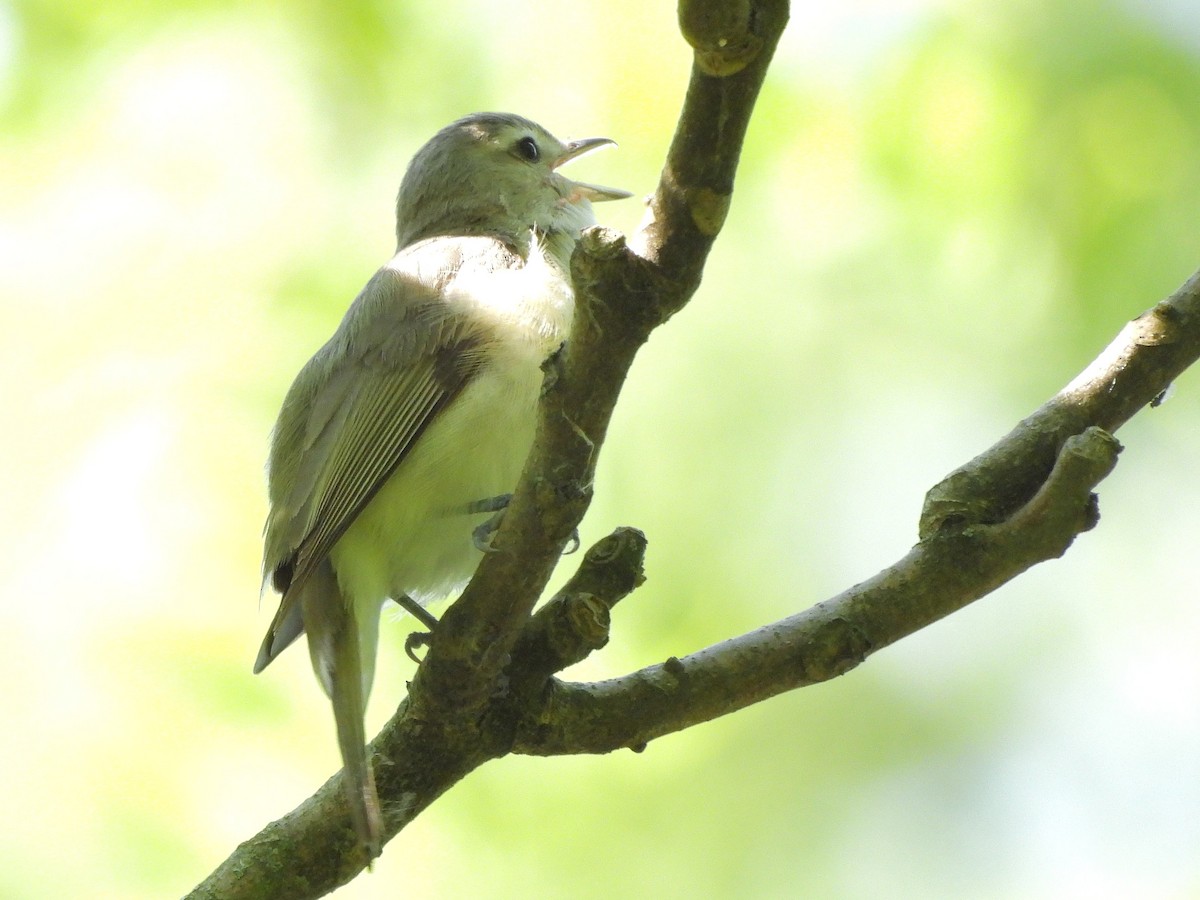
945 210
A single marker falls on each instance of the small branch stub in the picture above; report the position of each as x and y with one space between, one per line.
721 33
708 209
575 621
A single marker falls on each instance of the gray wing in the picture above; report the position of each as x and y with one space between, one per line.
355 411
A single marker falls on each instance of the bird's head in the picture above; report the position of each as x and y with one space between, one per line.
497 174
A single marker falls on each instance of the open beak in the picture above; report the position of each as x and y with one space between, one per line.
593 192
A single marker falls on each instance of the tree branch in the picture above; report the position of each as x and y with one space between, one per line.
934 579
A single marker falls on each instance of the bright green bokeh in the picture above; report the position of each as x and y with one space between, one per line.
944 211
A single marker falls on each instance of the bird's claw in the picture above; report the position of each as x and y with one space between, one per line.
572 543
484 534
415 640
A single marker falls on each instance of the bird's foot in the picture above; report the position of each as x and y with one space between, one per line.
484 533
417 638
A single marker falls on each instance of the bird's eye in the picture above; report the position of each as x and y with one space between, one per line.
527 149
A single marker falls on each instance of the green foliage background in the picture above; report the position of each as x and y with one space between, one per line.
945 210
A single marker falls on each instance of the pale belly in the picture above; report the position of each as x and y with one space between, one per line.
415 536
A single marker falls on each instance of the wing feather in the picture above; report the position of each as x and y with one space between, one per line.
385 423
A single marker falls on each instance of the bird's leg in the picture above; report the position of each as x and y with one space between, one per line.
417 611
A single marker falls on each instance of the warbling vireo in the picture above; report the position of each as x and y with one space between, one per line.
420 406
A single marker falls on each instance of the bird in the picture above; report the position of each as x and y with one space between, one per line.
415 418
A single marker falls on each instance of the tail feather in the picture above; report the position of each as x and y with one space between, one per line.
287 626
334 645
